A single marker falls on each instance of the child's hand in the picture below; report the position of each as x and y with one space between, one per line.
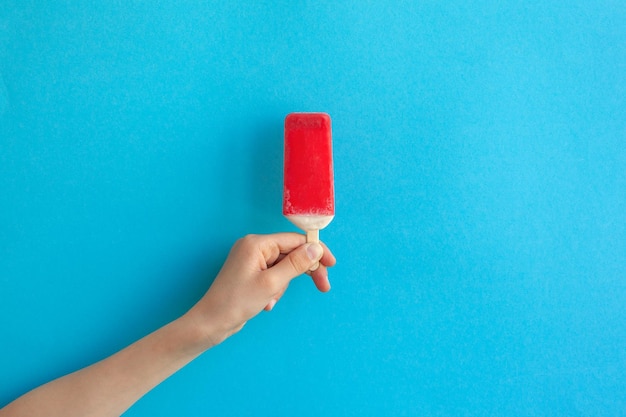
255 276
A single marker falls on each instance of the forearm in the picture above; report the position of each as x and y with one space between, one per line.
111 386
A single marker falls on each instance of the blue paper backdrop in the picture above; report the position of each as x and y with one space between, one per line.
480 162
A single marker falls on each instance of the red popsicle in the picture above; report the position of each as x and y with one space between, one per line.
308 192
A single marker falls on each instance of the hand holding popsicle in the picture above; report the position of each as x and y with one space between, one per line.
256 274
308 191
254 277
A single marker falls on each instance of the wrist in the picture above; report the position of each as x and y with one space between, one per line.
205 330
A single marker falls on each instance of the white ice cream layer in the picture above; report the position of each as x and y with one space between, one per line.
310 222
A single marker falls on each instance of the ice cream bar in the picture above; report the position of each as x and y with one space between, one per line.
308 191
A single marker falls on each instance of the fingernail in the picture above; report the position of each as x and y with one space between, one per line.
271 304
314 251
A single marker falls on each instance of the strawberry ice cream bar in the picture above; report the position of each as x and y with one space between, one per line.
308 191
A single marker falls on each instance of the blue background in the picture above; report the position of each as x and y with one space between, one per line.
480 162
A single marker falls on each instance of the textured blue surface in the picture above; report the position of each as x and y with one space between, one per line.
480 162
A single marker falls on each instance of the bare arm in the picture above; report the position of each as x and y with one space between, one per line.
253 278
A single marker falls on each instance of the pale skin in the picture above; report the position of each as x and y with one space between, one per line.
254 277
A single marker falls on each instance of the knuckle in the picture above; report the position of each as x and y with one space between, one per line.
247 240
246 244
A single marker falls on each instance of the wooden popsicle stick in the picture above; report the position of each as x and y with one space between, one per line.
313 236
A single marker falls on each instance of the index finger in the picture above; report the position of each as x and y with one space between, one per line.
272 246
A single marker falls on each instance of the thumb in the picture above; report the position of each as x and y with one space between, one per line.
298 261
